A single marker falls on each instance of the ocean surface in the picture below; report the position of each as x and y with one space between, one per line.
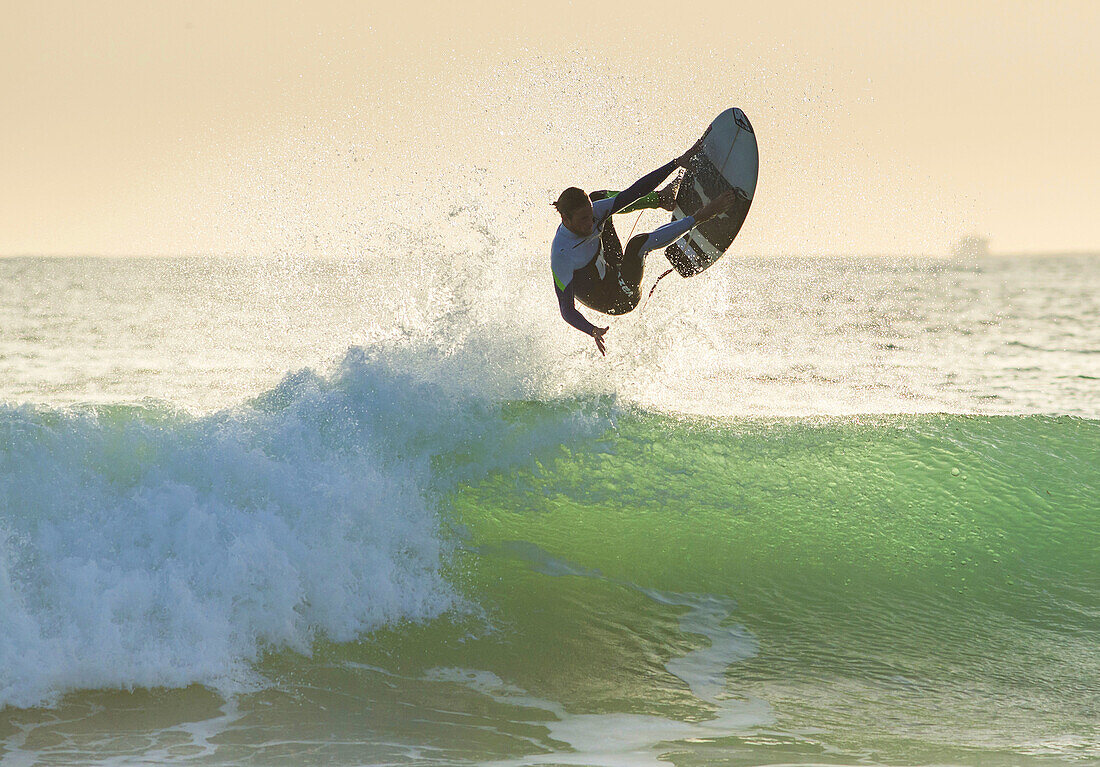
290 511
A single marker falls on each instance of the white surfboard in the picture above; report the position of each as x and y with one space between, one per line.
729 160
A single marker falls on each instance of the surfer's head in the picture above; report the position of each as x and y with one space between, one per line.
576 211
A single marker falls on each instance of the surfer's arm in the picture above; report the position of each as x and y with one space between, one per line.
568 304
663 235
643 186
674 230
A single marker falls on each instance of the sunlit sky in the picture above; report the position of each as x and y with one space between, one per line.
241 127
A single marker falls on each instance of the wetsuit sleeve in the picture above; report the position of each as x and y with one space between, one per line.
602 209
567 304
643 186
667 234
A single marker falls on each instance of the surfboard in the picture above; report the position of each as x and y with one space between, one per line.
729 160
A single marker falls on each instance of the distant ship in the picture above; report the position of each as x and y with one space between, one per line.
971 246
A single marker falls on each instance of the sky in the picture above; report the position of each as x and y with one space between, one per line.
246 128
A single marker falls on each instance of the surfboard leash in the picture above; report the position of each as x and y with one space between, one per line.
654 288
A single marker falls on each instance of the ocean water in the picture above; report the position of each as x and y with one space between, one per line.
300 511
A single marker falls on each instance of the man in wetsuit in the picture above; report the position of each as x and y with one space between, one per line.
589 262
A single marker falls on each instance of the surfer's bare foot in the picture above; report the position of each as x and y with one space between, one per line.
666 197
696 148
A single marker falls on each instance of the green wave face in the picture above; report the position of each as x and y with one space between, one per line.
904 588
568 583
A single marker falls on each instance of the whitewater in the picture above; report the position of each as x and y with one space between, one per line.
390 509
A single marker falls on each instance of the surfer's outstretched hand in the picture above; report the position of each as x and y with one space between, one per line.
598 335
696 148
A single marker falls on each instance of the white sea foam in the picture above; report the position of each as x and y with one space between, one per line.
149 548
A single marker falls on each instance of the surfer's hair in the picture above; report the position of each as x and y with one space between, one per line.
570 200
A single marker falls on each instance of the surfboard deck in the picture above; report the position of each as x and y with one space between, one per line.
730 159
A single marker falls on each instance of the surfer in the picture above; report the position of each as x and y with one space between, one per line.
587 258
